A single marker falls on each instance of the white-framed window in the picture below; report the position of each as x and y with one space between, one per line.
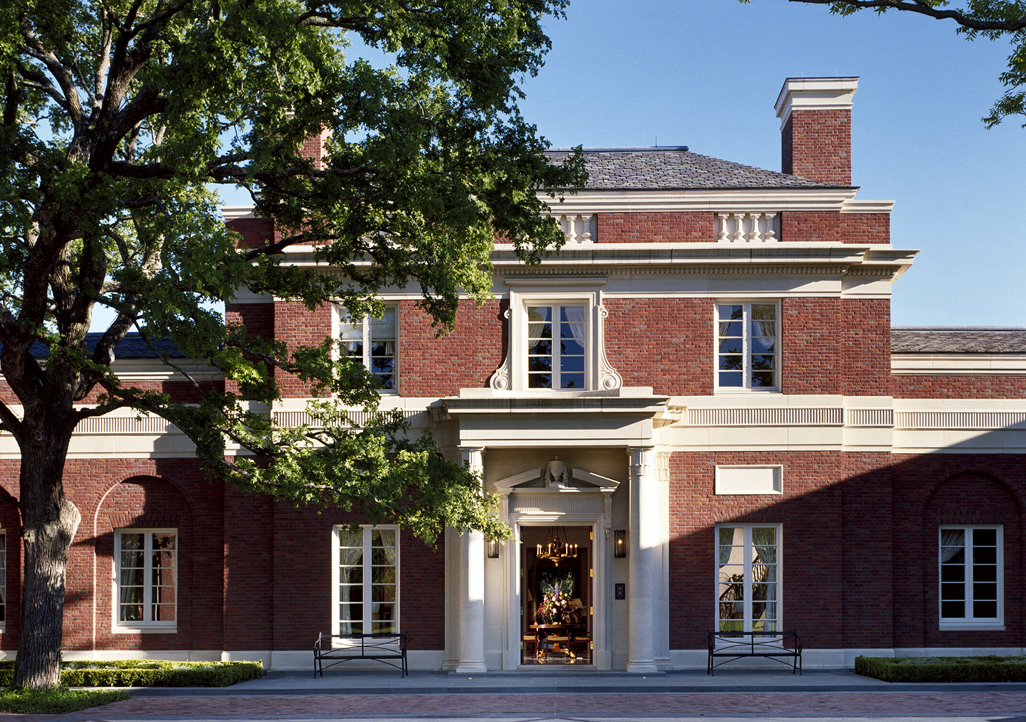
747 346
374 342
557 343
971 577
748 577
146 578
3 579
366 579
556 338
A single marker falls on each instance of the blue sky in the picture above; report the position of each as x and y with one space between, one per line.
705 73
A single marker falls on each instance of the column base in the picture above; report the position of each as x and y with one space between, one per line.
646 666
470 668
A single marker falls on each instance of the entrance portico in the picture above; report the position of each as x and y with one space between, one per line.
616 478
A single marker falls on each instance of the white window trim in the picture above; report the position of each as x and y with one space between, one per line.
747 388
336 623
137 627
970 623
598 374
336 333
748 567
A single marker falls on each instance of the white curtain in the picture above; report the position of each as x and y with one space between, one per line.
576 318
952 542
350 558
726 549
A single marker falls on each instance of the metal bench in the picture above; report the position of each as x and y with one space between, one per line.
334 649
783 647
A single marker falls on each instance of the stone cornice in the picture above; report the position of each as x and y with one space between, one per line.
814 94
587 264
958 364
148 370
728 200
754 200
234 213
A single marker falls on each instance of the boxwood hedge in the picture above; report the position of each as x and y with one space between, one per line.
149 673
990 668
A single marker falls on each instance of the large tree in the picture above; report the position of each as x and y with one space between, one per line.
121 116
993 19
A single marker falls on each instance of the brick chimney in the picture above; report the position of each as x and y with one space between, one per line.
815 128
314 148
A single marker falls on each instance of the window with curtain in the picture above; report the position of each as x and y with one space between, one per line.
146 577
367 588
373 342
971 577
747 346
748 578
556 346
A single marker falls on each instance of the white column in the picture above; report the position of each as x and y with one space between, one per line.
643 561
472 586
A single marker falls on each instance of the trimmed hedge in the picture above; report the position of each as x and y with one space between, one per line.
991 668
149 673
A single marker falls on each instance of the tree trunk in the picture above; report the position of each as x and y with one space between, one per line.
49 522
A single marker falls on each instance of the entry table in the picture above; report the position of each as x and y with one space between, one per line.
557 634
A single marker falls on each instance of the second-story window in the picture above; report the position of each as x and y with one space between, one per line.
747 346
372 341
555 340
556 345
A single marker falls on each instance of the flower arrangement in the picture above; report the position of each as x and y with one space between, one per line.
556 605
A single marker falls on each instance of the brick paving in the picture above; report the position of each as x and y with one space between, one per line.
799 704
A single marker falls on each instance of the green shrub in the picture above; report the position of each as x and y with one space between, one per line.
990 668
57 701
148 673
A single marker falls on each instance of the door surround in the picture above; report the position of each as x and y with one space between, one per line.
589 505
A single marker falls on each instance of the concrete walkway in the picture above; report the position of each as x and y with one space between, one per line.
564 681
580 696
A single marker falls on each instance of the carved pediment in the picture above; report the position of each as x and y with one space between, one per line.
533 481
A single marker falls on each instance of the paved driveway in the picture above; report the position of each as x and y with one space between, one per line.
849 706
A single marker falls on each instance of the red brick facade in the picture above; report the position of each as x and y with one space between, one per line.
656 227
860 540
836 346
834 227
430 365
964 386
253 573
859 516
816 144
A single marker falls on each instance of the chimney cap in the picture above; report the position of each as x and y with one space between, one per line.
815 94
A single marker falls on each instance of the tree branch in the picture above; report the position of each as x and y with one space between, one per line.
34 48
966 20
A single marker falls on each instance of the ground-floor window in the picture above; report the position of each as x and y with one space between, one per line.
748 577
367 580
146 577
971 574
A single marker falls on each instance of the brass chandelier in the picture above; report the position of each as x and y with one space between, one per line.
557 548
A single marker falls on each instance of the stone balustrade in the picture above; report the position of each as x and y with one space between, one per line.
578 228
740 227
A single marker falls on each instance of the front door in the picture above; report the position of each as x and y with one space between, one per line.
556 576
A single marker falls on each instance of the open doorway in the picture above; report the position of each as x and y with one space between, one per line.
556 617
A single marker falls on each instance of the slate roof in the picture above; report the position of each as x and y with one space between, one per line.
675 168
132 346
964 339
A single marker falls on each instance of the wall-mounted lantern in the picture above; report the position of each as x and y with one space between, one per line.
620 544
493 548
